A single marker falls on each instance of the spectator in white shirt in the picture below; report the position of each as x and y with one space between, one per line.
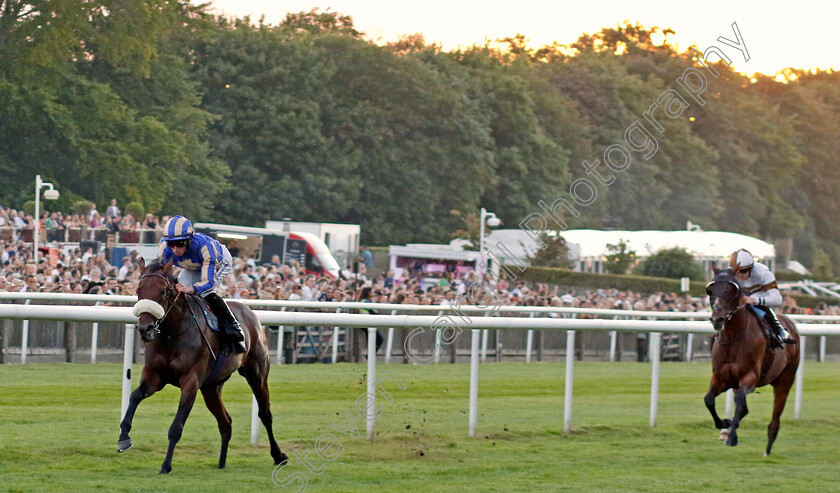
18 219
310 291
126 267
295 295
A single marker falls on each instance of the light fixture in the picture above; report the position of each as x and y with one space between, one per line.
51 194
492 221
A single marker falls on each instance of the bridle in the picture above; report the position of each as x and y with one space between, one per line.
155 329
713 298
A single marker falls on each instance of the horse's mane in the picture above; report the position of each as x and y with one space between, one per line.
155 265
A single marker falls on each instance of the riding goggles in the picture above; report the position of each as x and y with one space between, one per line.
177 243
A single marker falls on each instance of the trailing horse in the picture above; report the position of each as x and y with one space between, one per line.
183 351
743 359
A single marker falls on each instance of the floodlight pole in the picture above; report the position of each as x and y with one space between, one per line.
484 217
39 184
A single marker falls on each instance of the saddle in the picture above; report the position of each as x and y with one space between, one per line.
203 308
771 337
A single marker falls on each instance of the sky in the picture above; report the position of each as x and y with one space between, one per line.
777 34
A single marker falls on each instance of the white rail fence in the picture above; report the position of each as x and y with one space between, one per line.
99 314
394 309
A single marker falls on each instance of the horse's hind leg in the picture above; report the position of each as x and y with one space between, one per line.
213 399
149 384
257 376
780 393
189 389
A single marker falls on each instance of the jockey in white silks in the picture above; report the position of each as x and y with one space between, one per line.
759 290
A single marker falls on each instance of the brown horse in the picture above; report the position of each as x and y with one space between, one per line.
182 351
743 360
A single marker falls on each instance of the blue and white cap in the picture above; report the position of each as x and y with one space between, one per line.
178 228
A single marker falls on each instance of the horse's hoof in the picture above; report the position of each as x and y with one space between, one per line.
280 458
723 434
165 469
731 441
124 445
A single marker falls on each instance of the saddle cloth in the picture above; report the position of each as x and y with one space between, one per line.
204 308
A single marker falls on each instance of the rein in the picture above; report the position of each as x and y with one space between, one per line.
156 326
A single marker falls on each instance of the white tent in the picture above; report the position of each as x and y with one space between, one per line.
589 246
707 246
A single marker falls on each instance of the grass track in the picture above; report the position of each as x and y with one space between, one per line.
59 428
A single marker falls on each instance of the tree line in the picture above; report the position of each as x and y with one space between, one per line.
231 120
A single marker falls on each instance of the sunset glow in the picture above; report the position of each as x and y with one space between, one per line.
777 36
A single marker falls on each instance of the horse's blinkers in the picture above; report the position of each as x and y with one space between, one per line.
712 299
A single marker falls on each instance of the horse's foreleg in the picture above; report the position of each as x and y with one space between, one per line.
213 399
780 393
149 384
715 388
741 410
189 389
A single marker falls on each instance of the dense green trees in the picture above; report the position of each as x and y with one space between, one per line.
158 103
88 101
672 263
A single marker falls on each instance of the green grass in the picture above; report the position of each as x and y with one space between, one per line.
59 428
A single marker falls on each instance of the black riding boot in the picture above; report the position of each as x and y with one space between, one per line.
777 326
230 326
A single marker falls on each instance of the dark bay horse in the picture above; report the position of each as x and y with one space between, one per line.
742 359
182 351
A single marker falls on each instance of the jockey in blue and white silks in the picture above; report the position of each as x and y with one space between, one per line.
204 264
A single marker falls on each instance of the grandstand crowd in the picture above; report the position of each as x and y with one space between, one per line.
78 271
112 220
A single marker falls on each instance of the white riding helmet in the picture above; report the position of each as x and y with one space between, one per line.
740 260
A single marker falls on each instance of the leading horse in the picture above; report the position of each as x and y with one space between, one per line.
181 350
742 358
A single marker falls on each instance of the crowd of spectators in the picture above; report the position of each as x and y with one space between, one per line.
113 220
78 271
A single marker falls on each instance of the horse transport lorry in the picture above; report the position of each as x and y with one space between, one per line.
309 250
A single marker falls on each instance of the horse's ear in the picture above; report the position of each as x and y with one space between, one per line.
142 264
715 267
167 267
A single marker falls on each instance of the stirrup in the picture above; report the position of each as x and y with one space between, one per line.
784 337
